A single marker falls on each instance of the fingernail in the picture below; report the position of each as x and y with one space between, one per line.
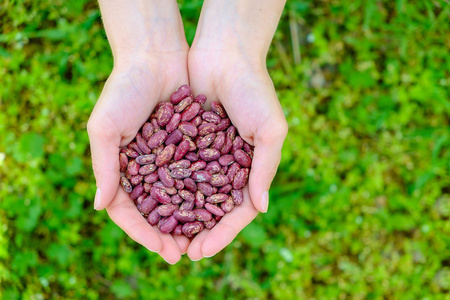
151 250
97 199
265 201
208 256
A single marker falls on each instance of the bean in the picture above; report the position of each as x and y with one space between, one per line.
126 184
192 228
170 224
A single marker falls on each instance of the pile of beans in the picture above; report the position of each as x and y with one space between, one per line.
186 167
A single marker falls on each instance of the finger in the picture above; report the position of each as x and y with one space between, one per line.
182 242
194 251
170 251
125 214
266 158
104 139
229 226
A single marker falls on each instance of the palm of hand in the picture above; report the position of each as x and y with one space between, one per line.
126 102
249 98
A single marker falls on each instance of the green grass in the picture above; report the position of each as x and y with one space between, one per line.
360 208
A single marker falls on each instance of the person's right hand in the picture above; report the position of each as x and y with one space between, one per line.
148 67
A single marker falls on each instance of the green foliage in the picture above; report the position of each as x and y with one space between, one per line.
359 209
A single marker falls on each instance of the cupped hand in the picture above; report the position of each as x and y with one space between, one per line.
126 102
243 86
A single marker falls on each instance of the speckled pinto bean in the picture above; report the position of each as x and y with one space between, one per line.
218 109
206 129
181 93
157 139
183 158
226 146
200 99
227 205
191 156
164 176
226 160
240 180
219 180
166 155
186 195
190 185
141 199
126 184
148 205
242 158
232 170
210 224
199 201
237 196
153 217
214 209
181 164
196 121
133 167
217 198
176 199
205 188
147 169
169 190
190 112
201 176
160 196
192 228
147 131
188 129
184 215
187 205
225 189
183 104
174 138
205 141
146 159
238 143
181 150
142 144
211 117
173 123
147 187
136 179
169 225
131 153
213 167
178 230
179 184
167 209
164 114
123 162
209 154
224 124
151 178
180 173
136 192
202 214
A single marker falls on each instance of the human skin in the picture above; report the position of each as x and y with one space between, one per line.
227 63
150 61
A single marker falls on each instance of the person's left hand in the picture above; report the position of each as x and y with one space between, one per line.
246 91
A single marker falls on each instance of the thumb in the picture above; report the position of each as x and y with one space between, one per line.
266 158
105 140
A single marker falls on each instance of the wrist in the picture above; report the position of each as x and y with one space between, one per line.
143 28
245 27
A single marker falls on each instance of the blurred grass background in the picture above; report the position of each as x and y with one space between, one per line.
359 209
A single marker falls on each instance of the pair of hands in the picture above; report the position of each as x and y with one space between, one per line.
146 73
